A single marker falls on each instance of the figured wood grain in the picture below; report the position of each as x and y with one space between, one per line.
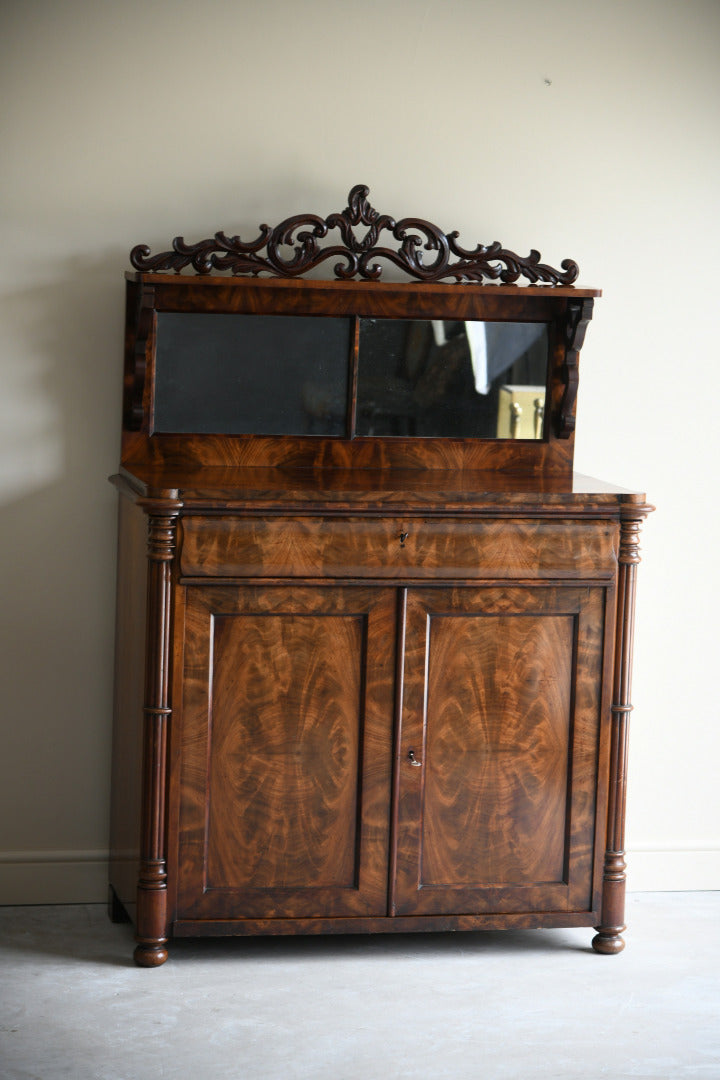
285 751
497 739
365 298
361 547
528 456
502 705
434 493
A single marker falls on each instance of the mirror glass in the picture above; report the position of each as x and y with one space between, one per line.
251 374
450 378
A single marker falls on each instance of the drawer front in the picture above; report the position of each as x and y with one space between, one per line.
396 548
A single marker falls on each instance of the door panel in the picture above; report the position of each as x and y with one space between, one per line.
501 706
286 739
497 748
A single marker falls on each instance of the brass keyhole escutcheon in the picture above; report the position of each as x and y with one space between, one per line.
413 760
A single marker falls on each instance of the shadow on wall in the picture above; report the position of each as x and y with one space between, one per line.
62 358
59 439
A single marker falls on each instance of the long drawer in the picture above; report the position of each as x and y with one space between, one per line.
396 548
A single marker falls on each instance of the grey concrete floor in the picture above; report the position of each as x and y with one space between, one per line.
495 1006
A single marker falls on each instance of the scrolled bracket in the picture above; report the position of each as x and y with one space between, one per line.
579 314
357 255
136 363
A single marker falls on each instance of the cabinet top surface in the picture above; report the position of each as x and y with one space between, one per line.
187 281
358 490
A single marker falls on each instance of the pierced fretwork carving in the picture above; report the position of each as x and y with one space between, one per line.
358 255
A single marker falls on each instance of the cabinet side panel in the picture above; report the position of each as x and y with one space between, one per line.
128 704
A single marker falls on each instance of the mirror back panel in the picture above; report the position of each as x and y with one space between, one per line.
228 371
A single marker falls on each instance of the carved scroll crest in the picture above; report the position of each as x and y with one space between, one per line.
358 255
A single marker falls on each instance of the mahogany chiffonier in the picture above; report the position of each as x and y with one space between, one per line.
374 637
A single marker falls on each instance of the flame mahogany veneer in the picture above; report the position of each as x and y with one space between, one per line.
367 684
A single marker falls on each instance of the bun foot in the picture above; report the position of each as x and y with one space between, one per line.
147 955
608 943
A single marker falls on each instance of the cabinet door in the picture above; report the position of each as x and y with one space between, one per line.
499 750
286 732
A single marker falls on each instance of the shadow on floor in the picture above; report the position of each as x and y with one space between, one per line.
86 934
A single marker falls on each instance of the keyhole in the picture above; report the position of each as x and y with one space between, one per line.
403 537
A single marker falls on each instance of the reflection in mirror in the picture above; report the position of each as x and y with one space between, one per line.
251 374
464 379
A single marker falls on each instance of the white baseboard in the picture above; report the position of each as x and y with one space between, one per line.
53 877
673 870
81 877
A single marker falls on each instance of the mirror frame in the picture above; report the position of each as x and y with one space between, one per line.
566 310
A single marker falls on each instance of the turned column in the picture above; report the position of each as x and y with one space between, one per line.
608 939
151 923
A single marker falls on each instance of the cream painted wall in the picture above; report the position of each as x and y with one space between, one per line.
587 130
